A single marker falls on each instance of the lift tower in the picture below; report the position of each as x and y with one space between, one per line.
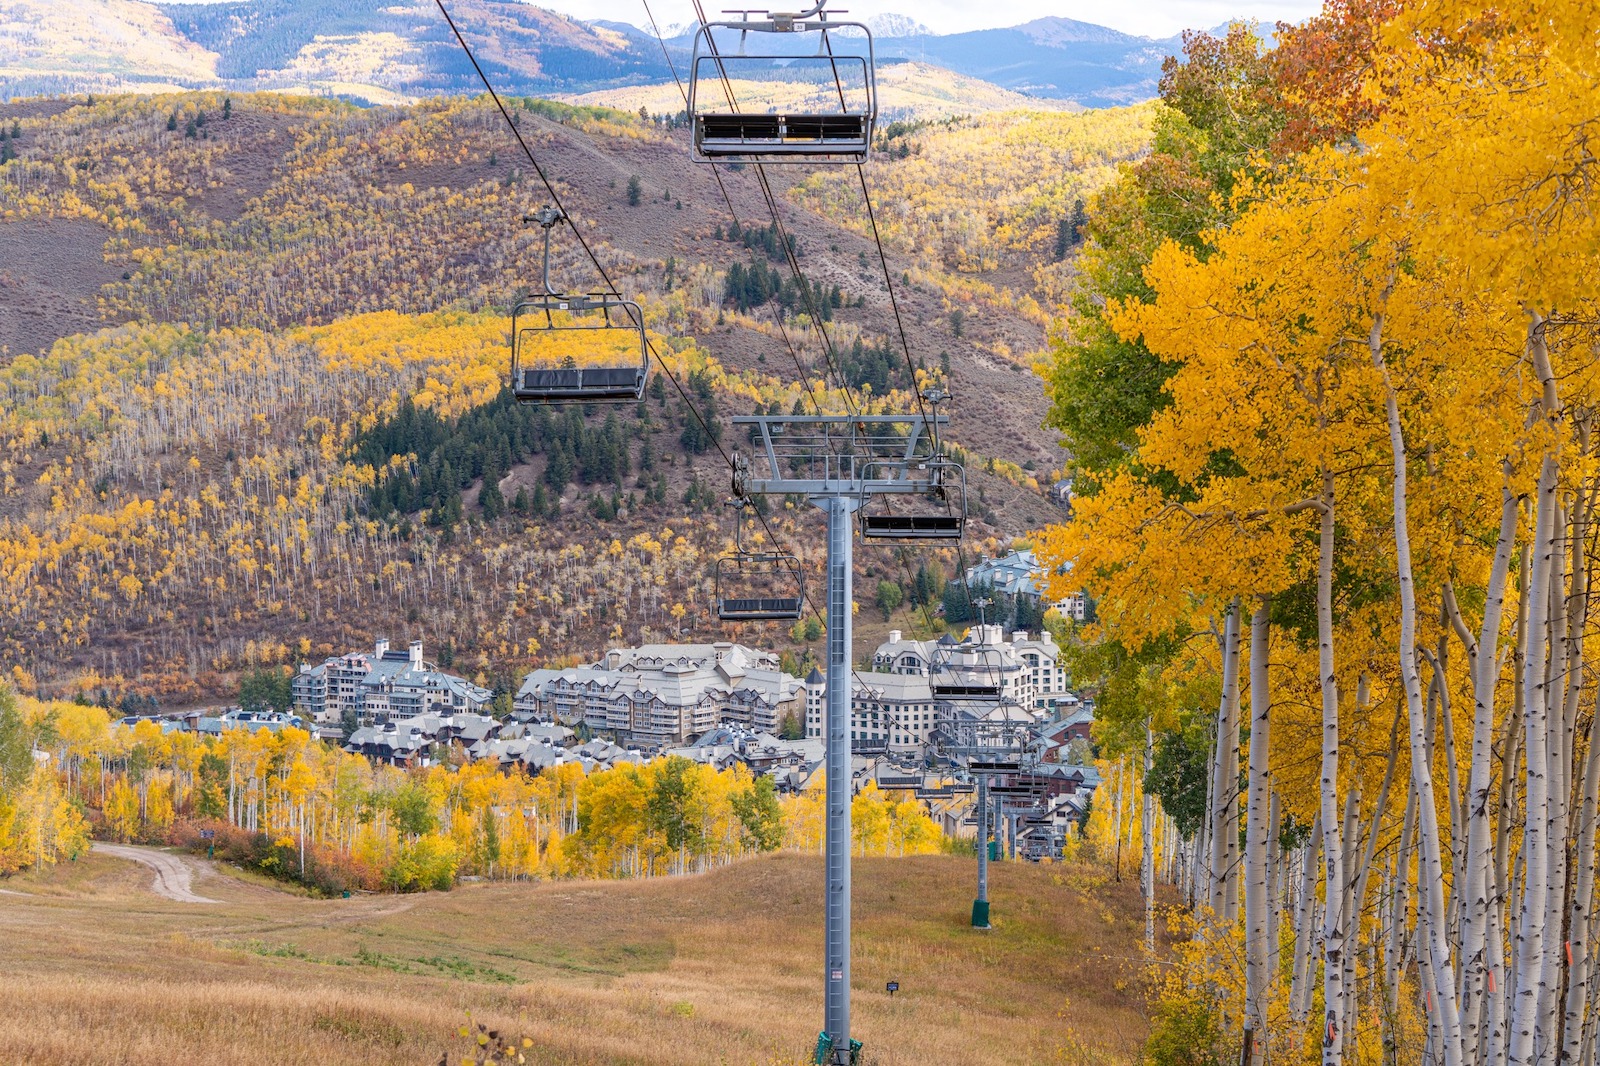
840 463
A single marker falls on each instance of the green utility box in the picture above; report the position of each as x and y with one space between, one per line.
994 851
980 914
824 1052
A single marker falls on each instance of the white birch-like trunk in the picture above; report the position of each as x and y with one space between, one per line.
1304 914
1257 903
1501 982
1432 937
1530 948
1147 869
1333 922
1477 953
1225 771
1558 783
1576 1022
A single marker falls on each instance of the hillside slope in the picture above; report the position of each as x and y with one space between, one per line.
651 972
182 495
85 45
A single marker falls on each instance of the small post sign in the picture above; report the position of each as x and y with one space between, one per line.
209 835
893 987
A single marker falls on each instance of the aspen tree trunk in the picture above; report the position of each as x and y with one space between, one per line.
1478 954
1147 869
1304 913
1575 1022
1530 947
1225 770
1352 904
1257 903
1558 782
1542 717
1500 983
1432 938
1333 922
1277 880
1571 894
1399 904
1379 811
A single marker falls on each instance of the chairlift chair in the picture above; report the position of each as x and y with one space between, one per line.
587 348
940 515
974 673
836 129
757 586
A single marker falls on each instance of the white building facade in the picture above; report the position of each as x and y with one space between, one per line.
891 713
664 694
383 686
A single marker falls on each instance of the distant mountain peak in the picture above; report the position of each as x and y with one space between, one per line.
892 25
1056 31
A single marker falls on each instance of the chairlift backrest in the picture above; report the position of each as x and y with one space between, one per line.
833 123
585 349
758 587
940 515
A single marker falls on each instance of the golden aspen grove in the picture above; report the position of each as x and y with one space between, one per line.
1289 378
1329 381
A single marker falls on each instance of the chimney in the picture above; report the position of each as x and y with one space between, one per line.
380 647
1019 636
416 654
894 636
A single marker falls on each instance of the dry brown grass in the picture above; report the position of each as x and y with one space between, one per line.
721 968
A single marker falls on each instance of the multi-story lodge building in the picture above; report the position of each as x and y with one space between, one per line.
383 686
889 712
664 694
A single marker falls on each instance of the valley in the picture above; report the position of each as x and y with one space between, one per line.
180 489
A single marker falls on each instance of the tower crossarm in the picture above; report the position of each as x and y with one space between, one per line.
861 455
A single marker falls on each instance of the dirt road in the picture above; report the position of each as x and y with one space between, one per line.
173 872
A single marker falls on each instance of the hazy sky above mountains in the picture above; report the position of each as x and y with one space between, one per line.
1152 18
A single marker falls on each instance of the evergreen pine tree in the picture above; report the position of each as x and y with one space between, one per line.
490 500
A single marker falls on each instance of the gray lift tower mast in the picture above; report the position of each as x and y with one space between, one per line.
841 464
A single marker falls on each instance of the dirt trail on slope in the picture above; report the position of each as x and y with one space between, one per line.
173 874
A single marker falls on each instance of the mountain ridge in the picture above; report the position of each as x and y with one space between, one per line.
397 51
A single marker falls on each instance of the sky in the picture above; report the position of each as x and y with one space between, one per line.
1151 18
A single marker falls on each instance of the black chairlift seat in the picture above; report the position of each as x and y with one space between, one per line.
593 384
964 690
911 527
759 609
759 587
550 335
718 135
938 515
731 61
